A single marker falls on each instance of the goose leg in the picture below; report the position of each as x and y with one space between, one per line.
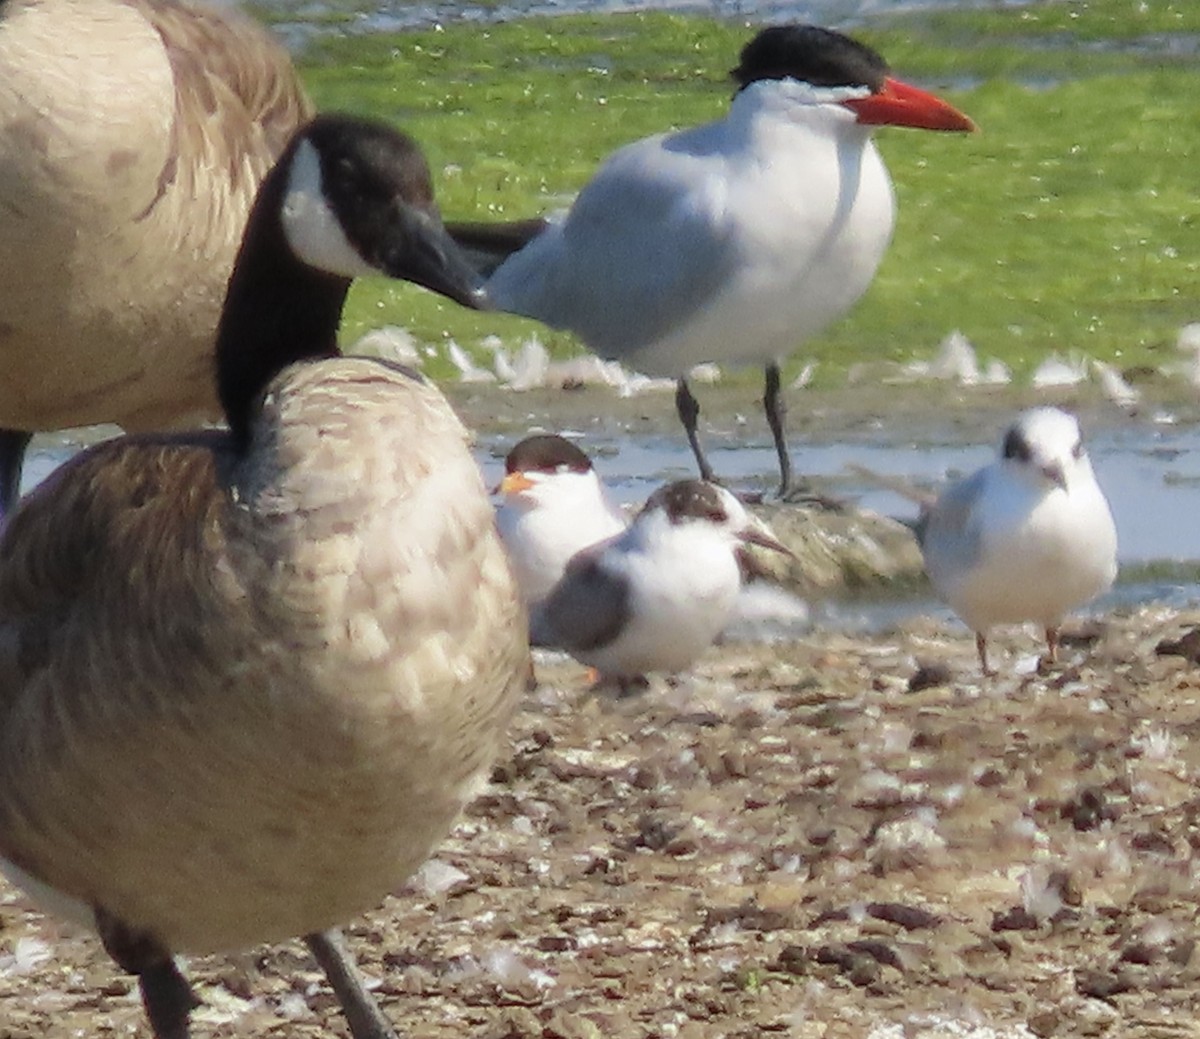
166 995
1052 645
363 1015
776 410
689 412
13 443
168 1000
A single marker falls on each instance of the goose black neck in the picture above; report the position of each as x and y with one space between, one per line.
277 311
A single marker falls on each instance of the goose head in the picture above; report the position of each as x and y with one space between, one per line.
348 197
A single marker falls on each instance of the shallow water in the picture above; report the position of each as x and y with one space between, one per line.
1151 473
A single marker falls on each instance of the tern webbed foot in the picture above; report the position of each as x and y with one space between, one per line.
791 491
1048 662
620 687
1052 645
362 1013
803 493
631 685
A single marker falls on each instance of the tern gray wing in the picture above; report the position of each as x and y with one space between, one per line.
586 610
642 249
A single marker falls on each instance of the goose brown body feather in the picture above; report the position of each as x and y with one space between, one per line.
345 648
133 136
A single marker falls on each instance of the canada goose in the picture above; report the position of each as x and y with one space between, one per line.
133 136
249 677
654 597
734 241
553 504
1027 537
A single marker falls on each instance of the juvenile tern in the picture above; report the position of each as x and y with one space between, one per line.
657 595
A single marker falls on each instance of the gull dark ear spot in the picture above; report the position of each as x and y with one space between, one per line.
710 507
1016 446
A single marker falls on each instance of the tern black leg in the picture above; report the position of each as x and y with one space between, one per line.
363 1015
776 410
166 995
13 443
689 412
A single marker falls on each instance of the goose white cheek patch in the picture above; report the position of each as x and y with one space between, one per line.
313 232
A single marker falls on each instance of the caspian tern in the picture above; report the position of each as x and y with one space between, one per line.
734 241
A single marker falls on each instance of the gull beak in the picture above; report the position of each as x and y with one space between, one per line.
1054 472
514 483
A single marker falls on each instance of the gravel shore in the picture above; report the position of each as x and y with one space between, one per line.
836 836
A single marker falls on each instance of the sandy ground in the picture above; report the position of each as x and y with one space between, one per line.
801 839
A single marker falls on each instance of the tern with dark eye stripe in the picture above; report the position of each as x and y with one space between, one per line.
732 242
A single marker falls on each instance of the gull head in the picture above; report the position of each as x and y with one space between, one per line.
1045 445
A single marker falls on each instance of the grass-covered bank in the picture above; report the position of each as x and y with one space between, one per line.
1069 223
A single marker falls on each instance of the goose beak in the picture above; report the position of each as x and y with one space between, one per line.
431 258
901 104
